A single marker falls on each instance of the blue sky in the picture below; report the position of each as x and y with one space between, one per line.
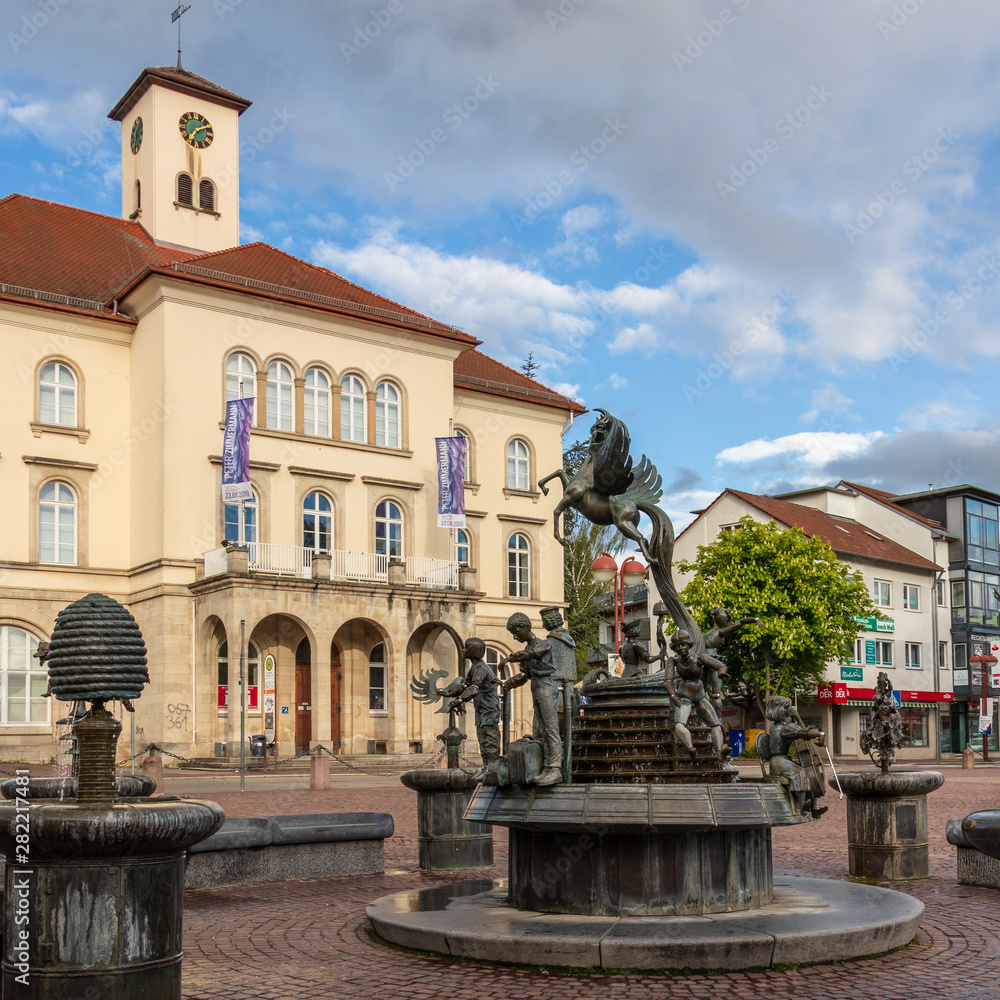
766 234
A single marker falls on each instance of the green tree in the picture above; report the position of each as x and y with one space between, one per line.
584 543
806 599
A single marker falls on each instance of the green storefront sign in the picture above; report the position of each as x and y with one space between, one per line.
874 624
869 650
852 674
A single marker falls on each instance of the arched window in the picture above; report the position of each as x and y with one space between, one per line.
206 196
518 582
280 393
387 415
252 678
317 523
138 195
389 530
468 452
185 190
517 465
241 374
352 409
493 658
463 549
316 403
231 519
57 395
57 524
378 670
23 678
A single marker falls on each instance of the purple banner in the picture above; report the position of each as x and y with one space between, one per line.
236 451
451 481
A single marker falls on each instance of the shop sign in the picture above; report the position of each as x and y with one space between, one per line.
961 677
852 674
870 651
832 694
873 624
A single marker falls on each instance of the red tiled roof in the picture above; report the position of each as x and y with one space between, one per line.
844 537
885 498
53 248
175 79
480 373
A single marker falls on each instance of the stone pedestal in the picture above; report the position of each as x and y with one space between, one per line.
447 841
887 823
152 767
319 772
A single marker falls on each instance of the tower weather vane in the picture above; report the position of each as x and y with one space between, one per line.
182 9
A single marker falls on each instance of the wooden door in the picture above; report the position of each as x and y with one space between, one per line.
303 706
335 676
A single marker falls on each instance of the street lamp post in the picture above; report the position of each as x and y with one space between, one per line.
604 569
985 662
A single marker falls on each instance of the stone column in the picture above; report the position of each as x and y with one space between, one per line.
300 399
466 578
398 695
335 415
321 563
370 417
397 573
262 397
321 689
238 560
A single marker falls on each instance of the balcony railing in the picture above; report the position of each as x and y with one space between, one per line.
295 560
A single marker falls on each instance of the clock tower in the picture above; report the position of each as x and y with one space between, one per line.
180 158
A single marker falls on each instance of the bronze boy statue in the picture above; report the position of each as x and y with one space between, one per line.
481 689
539 668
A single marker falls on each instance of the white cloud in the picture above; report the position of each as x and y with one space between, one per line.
578 239
570 389
827 398
814 448
617 381
635 338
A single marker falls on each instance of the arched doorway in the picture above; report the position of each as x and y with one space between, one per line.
432 647
303 696
336 678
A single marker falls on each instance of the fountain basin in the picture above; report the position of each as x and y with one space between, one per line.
887 823
128 785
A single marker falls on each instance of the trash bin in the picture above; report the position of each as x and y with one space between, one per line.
258 746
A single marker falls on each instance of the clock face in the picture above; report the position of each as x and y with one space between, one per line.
196 130
136 135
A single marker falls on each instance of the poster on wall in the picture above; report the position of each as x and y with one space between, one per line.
451 481
986 717
269 698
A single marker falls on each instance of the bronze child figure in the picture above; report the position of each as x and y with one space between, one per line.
539 668
481 689
691 692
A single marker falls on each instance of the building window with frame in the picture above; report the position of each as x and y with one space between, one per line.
378 671
389 530
859 651
387 415
316 406
57 524
24 679
252 678
206 196
943 655
518 471
241 377
518 572
882 593
883 652
185 190
961 658
352 408
939 587
231 514
280 394
981 533
958 610
468 452
911 597
317 522
984 608
57 395
911 652
463 547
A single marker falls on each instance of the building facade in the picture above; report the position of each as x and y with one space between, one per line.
901 557
125 338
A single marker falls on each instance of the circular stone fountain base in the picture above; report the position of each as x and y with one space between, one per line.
809 921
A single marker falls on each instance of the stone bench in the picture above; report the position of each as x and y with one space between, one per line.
974 867
276 848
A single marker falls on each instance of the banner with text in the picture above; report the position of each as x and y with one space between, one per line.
451 481
236 451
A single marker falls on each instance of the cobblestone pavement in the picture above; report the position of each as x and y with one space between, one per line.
308 938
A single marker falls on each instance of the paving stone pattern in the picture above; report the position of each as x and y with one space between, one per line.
308 938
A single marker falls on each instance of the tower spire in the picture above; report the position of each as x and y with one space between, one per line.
176 16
